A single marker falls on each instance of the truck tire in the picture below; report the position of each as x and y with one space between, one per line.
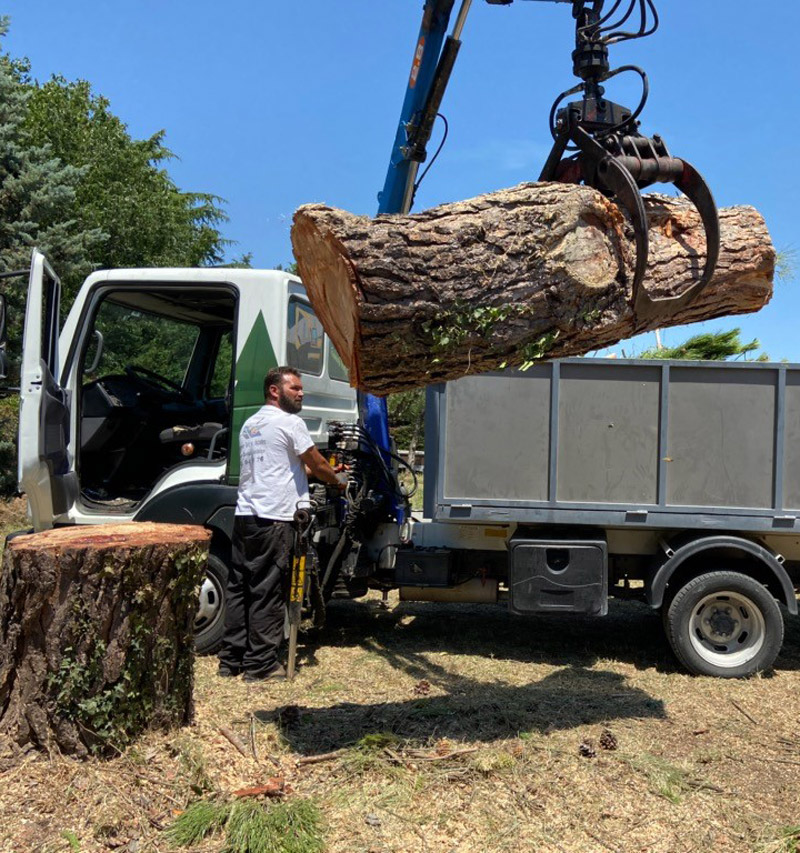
209 623
724 624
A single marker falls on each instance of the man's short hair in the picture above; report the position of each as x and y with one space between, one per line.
276 375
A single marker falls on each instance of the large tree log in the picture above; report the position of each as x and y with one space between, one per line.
96 633
536 271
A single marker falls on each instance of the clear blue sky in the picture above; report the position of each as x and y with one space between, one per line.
271 104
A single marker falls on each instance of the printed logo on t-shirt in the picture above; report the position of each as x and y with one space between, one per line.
253 431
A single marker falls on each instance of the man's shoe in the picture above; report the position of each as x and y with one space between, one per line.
225 671
276 673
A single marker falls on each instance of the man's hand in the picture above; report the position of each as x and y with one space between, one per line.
317 466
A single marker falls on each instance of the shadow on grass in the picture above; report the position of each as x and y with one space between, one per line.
631 633
483 706
475 711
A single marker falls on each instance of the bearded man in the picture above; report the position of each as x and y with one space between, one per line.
277 454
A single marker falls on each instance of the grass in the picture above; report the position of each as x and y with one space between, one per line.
788 841
407 481
665 779
201 819
12 517
445 729
249 826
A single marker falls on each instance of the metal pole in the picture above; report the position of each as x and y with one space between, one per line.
408 194
461 19
295 610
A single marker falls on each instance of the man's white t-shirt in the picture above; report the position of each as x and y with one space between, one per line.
272 477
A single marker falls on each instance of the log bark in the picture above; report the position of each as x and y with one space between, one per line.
96 639
536 271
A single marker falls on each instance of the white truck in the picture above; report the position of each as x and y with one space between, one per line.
132 410
551 489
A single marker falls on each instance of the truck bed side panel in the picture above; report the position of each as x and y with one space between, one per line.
643 444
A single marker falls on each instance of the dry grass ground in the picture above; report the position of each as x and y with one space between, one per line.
493 740
457 729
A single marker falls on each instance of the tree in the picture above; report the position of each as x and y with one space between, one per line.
37 199
407 420
124 190
76 184
708 346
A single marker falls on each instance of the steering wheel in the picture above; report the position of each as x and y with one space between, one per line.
156 380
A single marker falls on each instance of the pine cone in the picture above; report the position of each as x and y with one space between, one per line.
587 750
608 740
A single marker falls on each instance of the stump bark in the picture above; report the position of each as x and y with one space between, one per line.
540 270
96 638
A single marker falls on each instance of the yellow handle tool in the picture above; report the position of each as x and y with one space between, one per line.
297 585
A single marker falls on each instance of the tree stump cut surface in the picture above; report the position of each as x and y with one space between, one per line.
96 639
541 270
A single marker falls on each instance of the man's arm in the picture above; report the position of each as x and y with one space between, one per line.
317 466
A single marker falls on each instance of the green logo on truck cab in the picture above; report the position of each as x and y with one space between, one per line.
257 357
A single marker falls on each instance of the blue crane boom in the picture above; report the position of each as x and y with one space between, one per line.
435 54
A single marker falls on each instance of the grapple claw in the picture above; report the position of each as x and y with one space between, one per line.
619 181
620 167
614 157
647 308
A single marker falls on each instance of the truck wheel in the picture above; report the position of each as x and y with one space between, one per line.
209 623
724 624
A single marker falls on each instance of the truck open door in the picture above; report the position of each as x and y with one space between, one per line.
45 471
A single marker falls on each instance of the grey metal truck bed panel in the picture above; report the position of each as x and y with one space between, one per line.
655 444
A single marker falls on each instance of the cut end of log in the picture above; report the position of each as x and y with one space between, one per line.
332 285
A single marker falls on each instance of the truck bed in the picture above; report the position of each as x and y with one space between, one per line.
634 444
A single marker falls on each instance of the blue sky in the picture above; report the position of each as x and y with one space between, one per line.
271 104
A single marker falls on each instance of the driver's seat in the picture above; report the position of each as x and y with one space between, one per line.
198 432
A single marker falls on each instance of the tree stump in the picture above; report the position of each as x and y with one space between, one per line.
541 270
96 639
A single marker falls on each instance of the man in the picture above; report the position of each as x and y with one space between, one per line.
277 452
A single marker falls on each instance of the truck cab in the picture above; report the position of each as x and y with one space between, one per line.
132 409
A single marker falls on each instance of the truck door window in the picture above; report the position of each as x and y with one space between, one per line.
221 377
156 371
336 368
305 339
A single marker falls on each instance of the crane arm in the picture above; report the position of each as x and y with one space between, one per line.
612 155
435 55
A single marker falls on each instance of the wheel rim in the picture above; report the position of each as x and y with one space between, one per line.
209 607
727 629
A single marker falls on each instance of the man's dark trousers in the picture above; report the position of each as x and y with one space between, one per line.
256 593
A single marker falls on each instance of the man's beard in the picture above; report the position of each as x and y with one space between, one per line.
288 405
